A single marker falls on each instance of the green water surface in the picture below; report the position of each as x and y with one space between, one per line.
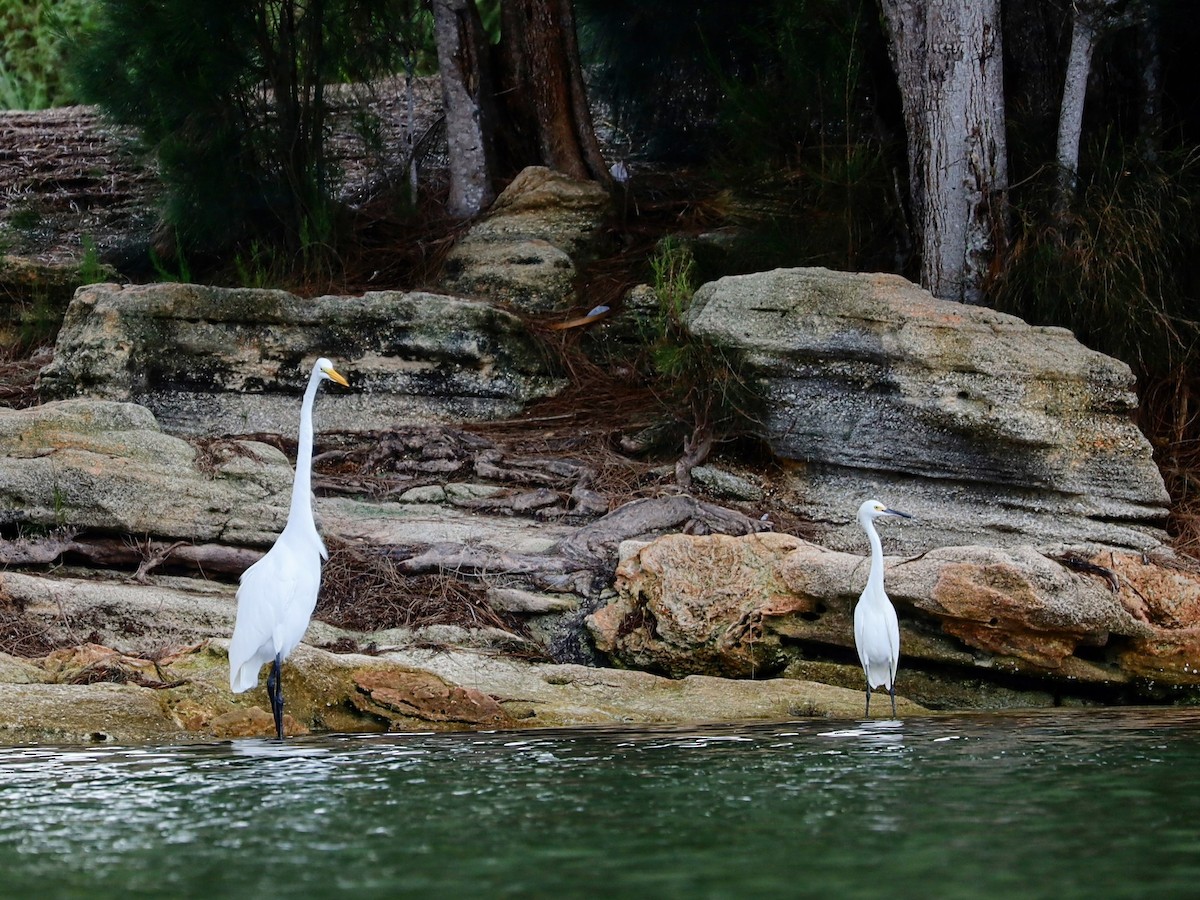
1064 804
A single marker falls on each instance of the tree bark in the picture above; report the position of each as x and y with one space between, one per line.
1150 58
466 93
1091 19
1070 118
949 65
542 89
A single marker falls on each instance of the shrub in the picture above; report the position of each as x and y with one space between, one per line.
700 384
231 98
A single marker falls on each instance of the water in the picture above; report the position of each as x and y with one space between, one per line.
1070 804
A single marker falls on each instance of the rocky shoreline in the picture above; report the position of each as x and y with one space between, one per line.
509 554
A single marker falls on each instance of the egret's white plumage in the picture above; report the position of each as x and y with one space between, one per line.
876 631
278 593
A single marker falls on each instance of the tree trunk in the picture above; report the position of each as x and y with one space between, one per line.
1091 19
1150 59
949 64
1070 118
466 94
541 86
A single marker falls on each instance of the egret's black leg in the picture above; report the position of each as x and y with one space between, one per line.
867 714
892 691
275 692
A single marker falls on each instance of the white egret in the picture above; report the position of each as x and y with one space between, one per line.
876 631
278 593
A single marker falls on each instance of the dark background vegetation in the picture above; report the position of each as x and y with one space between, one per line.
781 117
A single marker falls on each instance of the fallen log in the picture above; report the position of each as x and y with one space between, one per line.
652 517
127 552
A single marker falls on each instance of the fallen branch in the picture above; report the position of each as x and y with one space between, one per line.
1079 564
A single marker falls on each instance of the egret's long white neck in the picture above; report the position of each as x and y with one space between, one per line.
875 578
302 486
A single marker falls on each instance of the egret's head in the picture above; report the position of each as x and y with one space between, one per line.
873 509
325 367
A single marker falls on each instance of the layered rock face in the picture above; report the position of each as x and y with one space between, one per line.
524 252
212 360
990 430
106 466
980 626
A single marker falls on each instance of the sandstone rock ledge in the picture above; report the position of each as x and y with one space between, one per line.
185 696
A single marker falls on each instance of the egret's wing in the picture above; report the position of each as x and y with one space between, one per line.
275 601
860 635
893 635
877 639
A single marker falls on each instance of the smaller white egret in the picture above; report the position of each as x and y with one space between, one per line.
876 631
279 592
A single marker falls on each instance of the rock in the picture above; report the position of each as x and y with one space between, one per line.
990 430
138 619
34 295
726 485
212 361
524 252
95 464
423 525
15 670
91 663
245 723
425 690
758 605
429 493
83 714
461 491
421 697
515 600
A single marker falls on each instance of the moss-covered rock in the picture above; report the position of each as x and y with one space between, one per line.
213 361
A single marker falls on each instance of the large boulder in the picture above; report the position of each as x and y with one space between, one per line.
990 430
980 626
106 466
211 361
525 251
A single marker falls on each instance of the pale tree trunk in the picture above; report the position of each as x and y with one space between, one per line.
462 63
949 64
1091 19
1070 118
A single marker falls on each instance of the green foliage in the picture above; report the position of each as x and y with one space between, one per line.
700 382
91 269
182 273
27 216
39 320
489 14
35 37
232 97
257 267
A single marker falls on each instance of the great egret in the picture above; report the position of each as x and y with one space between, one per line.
278 593
876 631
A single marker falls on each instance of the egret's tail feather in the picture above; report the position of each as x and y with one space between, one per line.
243 677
